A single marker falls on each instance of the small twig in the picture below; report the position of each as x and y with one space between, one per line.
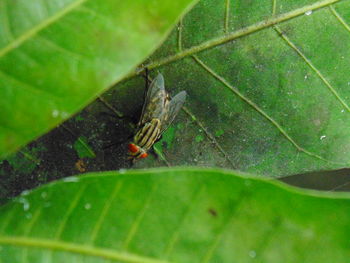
109 106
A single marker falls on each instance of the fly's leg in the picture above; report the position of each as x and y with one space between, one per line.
119 119
154 151
117 114
118 143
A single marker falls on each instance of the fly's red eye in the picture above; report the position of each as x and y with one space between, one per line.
144 155
133 148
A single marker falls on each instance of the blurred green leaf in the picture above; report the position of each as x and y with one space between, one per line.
174 215
57 56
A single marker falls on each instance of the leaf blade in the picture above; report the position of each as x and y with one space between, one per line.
190 215
273 62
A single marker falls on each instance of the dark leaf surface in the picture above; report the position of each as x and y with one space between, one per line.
267 83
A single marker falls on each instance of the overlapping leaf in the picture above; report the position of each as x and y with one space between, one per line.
174 215
56 56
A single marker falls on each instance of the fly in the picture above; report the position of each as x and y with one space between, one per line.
158 112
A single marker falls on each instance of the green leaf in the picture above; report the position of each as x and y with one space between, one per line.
267 82
174 215
57 56
83 149
24 161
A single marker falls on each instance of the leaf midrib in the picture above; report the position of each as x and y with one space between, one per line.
274 20
77 248
39 27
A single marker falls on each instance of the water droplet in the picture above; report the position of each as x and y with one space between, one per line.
308 12
122 171
322 137
43 195
26 206
25 203
25 192
55 113
87 206
64 114
252 253
71 179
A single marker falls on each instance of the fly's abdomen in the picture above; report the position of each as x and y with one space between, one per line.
148 134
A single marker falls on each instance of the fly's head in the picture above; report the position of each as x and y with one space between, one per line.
136 152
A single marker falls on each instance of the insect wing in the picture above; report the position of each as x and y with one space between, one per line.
153 106
173 109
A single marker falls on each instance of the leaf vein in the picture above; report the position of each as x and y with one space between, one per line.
175 236
339 18
179 35
208 134
60 48
312 66
36 29
274 7
25 85
239 33
221 232
104 212
260 111
109 106
27 231
70 209
135 225
77 249
227 16
30 225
